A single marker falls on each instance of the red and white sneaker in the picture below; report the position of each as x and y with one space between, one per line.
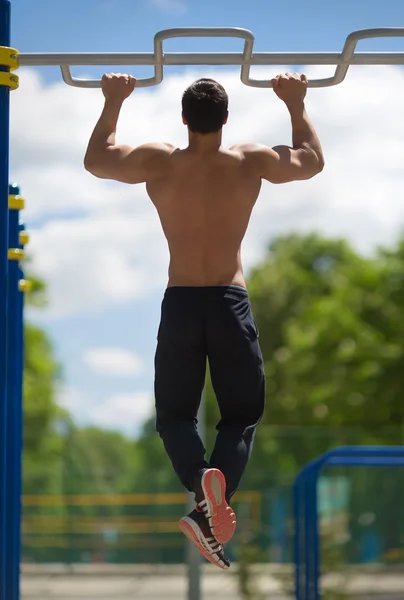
197 530
210 496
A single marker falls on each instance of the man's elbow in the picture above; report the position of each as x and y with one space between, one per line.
88 166
320 163
93 167
88 162
316 166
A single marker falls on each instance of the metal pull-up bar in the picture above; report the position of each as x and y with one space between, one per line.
158 59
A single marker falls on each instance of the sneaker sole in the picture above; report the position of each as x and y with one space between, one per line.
192 533
223 520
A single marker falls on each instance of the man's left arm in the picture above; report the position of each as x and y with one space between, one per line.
107 160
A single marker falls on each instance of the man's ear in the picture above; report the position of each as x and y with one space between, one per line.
184 119
225 120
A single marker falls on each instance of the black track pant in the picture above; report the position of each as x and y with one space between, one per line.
214 324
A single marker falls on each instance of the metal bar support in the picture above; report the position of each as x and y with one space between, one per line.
14 401
4 159
158 58
307 535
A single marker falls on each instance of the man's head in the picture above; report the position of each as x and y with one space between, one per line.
204 106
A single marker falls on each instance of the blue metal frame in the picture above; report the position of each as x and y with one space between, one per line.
4 168
17 429
307 536
14 411
18 436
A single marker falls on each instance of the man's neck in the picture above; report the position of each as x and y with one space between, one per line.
204 143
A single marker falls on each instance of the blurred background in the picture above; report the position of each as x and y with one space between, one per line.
324 262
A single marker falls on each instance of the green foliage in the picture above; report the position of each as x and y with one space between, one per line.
37 295
331 327
41 443
151 469
94 461
330 333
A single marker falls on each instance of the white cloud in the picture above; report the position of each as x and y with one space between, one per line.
177 7
124 412
111 249
70 398
113 361
97 260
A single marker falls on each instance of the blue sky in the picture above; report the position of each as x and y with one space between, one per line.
130 323
129 25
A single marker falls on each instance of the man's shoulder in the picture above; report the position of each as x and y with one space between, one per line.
247 148
170 148
156 154
254 155
159 147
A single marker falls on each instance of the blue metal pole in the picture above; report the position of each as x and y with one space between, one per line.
307 526
19 430
14 407
315 536
298 512
4 168
308 588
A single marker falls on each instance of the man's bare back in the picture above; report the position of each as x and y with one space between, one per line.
204 194
204 204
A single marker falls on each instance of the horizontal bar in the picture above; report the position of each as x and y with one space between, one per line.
365 451
353 456
31 59
158 59
122 499
364 461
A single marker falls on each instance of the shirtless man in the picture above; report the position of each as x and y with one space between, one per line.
204 196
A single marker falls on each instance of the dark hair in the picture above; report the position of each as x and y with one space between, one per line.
204 105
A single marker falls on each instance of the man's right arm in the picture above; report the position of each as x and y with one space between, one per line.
283 164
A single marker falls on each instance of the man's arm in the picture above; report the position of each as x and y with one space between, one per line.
107 160
304 159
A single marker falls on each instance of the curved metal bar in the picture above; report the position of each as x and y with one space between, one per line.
246 59
158 56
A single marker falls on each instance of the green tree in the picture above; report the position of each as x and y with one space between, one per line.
331 326
331 332
152 470
95 461
331 323
42 445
